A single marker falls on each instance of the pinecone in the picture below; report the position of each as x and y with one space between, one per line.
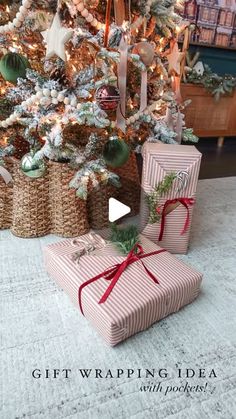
58 74
153 91
65 13
150 91
21 147
50 5
4 18
92 4
101 9
6 108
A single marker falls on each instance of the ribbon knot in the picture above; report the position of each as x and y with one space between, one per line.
113 273
186 202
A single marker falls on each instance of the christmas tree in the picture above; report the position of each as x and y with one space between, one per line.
84 82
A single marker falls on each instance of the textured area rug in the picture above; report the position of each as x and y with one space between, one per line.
41 330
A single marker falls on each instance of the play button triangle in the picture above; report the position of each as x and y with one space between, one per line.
117 210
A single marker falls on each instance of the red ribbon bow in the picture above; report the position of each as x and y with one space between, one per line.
113 274
185 202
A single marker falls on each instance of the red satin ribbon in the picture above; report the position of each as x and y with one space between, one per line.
113 274
185 202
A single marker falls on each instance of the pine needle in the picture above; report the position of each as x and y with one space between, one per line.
124 238
152 199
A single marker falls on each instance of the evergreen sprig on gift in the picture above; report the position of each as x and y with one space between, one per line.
153 198
124 238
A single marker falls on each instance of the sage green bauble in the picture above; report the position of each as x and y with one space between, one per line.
32 167
116 152
13 66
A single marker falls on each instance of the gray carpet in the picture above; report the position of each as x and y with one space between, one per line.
41 329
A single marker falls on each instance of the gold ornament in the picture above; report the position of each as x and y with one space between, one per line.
146 51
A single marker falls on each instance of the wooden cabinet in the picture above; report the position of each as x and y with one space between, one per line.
206 116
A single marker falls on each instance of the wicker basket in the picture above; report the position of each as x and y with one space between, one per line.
30 204
129 193
47 205
6 194
68 214
98 206
37 207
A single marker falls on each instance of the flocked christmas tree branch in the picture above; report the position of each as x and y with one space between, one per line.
63 93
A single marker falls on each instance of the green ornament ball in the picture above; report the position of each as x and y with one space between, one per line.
13 66
31 167
116 152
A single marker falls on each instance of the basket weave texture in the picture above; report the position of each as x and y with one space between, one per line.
98 206
47 205
36 207
6 198
30 204
68 213
129 193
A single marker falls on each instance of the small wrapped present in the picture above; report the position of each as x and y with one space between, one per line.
121 295
169 182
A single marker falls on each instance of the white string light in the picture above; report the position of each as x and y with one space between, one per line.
46 96
79 4
26 4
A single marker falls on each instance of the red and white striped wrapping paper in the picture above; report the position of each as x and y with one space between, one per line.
136 302
158 161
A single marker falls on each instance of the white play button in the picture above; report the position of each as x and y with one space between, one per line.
117 210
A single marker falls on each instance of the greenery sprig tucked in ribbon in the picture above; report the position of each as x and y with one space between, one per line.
153 198
124 238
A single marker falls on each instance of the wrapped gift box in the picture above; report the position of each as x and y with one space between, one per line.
160 160
136 301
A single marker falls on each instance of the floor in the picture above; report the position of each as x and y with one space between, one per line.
217 161
41 329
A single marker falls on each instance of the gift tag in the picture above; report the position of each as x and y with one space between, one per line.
182 179
171 207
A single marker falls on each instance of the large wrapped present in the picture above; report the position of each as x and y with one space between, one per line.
121 295
169 183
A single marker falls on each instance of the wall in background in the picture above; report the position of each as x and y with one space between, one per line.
221 60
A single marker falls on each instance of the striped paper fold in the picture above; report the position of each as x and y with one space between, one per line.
158 161
136 302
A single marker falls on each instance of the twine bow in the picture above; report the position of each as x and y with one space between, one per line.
86 246
186 202
113 273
